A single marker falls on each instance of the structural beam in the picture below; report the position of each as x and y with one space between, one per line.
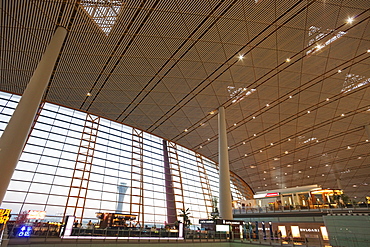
224 170
15 134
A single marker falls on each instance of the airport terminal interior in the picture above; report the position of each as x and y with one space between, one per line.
185 123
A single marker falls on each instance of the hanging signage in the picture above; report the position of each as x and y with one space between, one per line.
272 194
266 195
25 231
35 214
4 215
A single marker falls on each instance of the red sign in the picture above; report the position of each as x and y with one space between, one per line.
272 194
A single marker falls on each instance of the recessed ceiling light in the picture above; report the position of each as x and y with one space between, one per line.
234 124
348 147
290 96
254 135
339 71
271 143
88 94
368 50
326 165
200 146
208 139
327 99
323 174
289 139
241 57
286 152
308 111
299 159
359 158
276 158
299 171
350 20
287 60
264 178
308 176
245 154
289 165
186 130
273 168
260 151
264 171
285 173
243 143
367 140
254 117
253 167
267 105
212 112
310 167
342 115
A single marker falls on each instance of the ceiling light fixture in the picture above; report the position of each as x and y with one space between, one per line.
327 99
88 94
339 71
308 111
186 130
241 57
290 96
350 20
287 60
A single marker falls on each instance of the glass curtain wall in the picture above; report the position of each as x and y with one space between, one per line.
122 170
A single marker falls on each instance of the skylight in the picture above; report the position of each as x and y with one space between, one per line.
353 81
316 35
238 94
103 12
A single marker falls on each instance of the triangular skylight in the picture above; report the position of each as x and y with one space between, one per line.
103 12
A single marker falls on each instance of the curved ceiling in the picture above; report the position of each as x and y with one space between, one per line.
293 76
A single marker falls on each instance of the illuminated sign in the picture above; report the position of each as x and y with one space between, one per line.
228 222
4 215
309 230
272 194
25 231
37 215
206 221
266 195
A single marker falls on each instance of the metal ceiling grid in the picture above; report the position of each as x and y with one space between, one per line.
187 54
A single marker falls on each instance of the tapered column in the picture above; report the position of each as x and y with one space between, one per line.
223 162
15 134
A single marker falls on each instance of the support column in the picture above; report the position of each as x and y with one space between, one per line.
224 170
15 134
